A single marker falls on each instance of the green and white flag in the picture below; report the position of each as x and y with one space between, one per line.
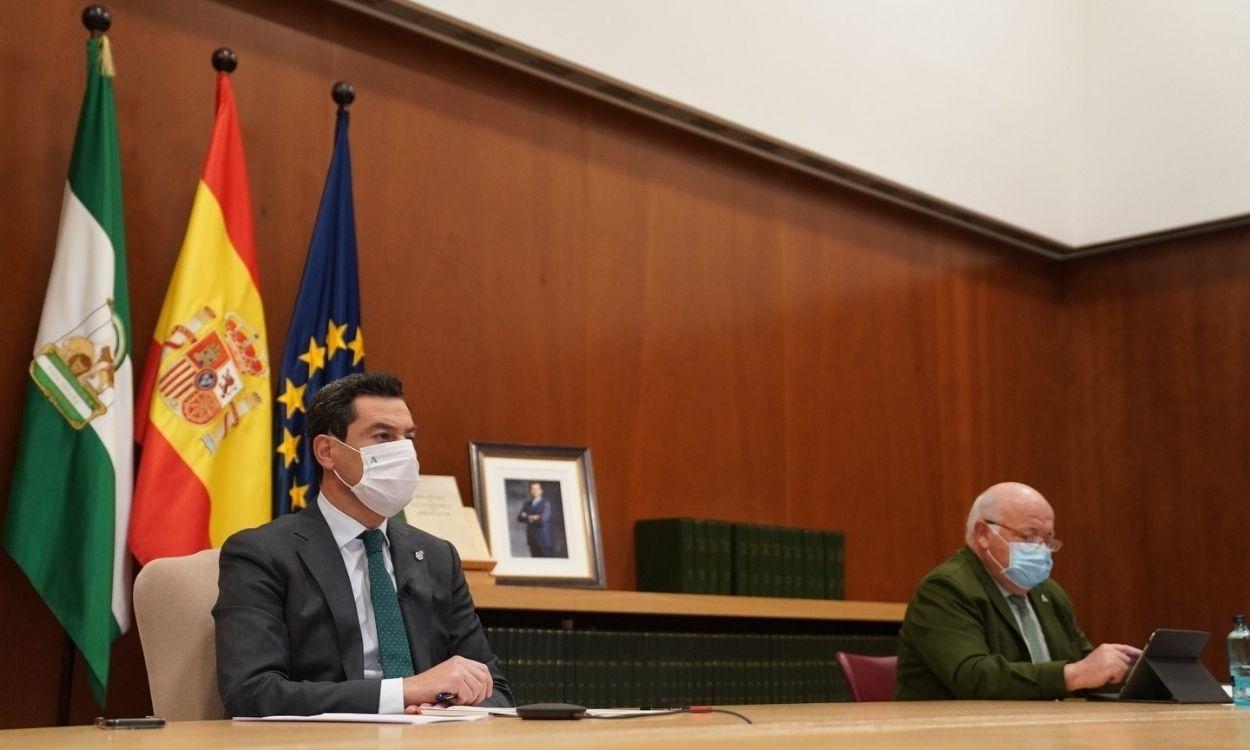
70 506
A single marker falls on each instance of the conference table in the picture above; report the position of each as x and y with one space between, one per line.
1015 725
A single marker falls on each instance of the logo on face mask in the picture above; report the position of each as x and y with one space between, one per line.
391 474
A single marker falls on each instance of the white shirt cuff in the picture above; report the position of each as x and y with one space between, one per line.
391 699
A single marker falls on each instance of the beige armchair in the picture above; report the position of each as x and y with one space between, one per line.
174 598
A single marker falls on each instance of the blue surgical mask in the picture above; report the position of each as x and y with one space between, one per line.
1029 565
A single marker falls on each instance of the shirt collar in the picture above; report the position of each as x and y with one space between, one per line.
1006 594
343 527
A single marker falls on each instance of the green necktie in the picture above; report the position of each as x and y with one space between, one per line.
1029 628
392 638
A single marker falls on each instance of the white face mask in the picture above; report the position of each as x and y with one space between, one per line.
391 472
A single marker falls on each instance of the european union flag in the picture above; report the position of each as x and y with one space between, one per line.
324 341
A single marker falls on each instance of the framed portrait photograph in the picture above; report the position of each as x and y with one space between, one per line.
536 504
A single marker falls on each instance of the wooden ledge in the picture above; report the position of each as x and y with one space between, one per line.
488 595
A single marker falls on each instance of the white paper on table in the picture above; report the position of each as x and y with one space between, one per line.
471 712
371 718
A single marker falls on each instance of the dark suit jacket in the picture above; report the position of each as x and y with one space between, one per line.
288 641
960 639
537 532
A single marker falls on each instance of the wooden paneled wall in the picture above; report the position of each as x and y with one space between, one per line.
732 339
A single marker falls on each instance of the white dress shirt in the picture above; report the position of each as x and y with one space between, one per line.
345 529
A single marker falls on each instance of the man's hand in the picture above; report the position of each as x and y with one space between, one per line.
468 680
1106 664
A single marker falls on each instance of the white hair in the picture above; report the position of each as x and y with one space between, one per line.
985 506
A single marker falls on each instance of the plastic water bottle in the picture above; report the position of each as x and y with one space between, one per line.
1239 661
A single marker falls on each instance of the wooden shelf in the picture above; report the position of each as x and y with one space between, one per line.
488 595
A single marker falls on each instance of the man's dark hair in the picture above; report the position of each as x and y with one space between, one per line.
333 408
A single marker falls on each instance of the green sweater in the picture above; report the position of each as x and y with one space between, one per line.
960 639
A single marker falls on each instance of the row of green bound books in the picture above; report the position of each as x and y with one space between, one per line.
699 556
605 669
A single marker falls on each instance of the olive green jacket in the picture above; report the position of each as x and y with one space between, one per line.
960 639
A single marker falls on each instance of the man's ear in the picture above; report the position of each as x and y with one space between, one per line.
321 447
981 531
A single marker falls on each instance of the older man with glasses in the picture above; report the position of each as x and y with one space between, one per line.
990 623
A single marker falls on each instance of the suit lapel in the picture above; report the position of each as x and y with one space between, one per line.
412 586
996 597
324 561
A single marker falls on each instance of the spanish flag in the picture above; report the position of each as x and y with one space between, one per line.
204 408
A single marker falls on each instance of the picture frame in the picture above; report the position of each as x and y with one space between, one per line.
537 508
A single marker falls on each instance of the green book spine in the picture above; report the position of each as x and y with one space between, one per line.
801 581
744 670
672 657
587 667
830 568
763 561
741 557
754 559
646 670
776 562
703 670
724 558
659 670
560 690
542 666
605 681
839 569
633 673
616 663
701 556
814 663
529 666
657 554
755 670
541 659
784 572
813 565
790 571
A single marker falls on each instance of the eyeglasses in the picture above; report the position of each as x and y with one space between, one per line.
1031 539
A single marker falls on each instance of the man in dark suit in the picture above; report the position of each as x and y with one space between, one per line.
342 607
991 623
536 515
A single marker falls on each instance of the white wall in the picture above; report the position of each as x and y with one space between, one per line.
1082 121
1165 116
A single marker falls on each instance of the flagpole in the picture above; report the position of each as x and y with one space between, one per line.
97 20
67 682
343 93
224 60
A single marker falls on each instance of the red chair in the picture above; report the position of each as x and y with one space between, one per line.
871 677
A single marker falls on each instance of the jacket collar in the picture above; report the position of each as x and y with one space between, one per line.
993 592
320 554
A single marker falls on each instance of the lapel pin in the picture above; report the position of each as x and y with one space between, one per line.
1044 598
419 554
